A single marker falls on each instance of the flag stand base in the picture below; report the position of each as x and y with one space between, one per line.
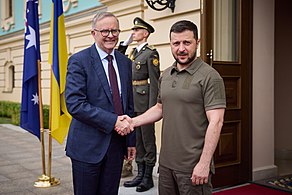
45 182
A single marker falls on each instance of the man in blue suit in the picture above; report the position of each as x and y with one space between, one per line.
96 149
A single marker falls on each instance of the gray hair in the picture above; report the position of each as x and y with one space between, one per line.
101 15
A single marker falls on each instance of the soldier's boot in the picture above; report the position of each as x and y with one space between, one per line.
127 168
138 179
147 181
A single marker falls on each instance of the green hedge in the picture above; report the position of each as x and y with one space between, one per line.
46 114
12 110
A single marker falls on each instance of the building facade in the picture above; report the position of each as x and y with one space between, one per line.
245 40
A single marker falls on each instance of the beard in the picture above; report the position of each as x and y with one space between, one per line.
188 61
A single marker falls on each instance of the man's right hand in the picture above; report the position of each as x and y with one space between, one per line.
123 125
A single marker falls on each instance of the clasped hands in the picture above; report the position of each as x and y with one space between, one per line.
124 125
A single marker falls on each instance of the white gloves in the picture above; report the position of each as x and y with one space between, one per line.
128 41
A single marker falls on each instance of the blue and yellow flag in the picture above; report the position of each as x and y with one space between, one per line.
30 111
58 58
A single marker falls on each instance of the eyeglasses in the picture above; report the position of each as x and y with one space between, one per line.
105 33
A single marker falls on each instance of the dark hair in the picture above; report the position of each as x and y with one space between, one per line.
184 25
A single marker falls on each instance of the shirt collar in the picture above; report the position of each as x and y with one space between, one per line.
141 46
103 54
191 69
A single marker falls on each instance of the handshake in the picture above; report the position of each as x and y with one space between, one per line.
124 125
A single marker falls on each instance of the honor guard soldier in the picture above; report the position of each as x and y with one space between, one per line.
145 75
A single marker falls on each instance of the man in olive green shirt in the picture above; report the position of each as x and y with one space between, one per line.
191 101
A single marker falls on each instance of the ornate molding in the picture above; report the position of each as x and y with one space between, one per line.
7 24
110 2
68 3
7 15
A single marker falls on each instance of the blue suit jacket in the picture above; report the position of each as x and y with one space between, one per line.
89 101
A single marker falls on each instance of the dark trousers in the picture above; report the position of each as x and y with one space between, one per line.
145 144
180 183
102 178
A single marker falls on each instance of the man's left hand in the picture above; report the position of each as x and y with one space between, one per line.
200 174
131 153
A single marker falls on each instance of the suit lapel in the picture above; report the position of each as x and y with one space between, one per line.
98 67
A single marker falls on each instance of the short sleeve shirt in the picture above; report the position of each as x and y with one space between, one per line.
185 96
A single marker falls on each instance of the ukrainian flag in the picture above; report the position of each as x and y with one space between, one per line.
58 58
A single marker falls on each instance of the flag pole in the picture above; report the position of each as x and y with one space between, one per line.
48 180
41 118
43 181
53 181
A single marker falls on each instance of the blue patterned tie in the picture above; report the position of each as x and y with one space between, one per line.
114 86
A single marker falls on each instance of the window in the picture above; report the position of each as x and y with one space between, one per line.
226 35
9 9
9 77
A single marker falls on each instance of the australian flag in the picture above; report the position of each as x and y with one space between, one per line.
30 114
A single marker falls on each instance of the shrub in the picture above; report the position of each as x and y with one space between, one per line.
12 110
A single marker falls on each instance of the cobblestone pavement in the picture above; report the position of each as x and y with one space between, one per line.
21 165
